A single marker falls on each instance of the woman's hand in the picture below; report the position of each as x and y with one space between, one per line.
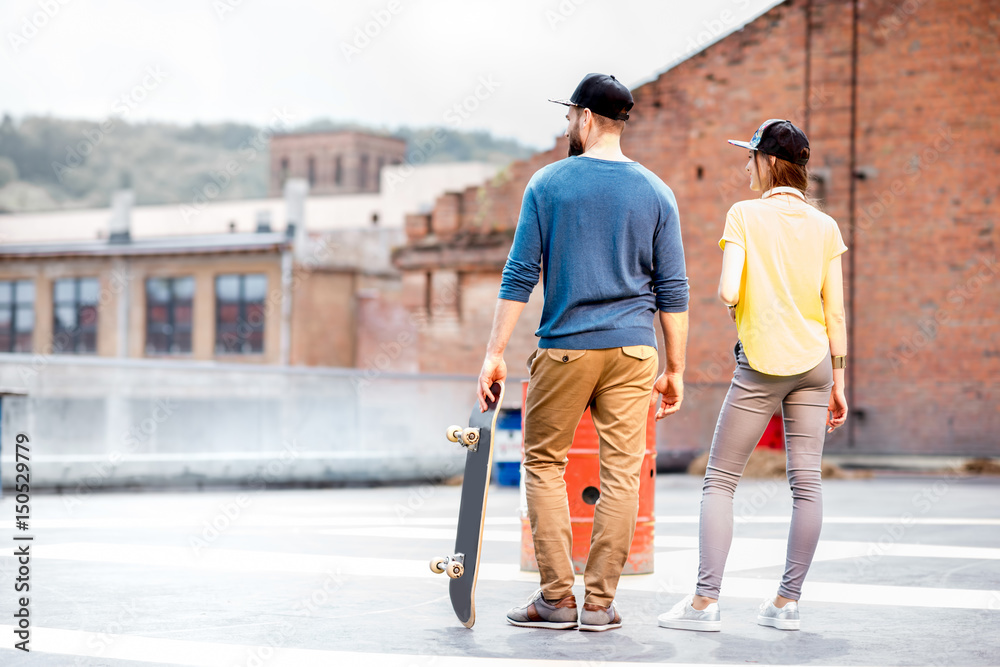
838 409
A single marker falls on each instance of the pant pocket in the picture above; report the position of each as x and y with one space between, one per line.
564 356
639 351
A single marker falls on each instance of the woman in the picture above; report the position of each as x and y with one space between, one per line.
783 284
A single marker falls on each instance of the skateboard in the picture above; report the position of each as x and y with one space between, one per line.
463 565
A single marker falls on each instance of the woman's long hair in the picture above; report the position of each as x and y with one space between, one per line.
782 174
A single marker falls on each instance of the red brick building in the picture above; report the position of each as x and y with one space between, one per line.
334 163
901 102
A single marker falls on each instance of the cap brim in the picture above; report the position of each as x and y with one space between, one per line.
563 102
741 144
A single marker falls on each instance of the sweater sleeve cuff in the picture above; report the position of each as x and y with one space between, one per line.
672 307
513 294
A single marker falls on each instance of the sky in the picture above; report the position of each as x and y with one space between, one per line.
463 64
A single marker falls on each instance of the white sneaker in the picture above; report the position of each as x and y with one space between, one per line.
785 618
685 617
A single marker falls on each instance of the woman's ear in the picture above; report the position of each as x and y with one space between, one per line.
772 159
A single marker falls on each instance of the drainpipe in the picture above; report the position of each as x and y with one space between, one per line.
808 89
852 203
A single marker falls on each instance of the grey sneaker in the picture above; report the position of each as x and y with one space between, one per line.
685 617
595 618
785 618
540 613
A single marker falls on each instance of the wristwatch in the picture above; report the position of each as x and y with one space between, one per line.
840 361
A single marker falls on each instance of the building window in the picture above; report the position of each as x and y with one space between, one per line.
312 171
239 313
74 302
17 315
363 173
168 315
338 170
284 171
378 174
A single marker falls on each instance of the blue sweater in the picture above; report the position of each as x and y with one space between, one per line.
606 238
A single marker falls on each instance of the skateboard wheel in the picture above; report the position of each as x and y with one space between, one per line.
454 433
470 436
455 569
437 565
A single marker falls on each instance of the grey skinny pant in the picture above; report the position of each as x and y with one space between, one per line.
752 399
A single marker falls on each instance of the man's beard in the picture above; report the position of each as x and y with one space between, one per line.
575 145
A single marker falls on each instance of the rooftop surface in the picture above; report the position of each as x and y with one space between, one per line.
907 573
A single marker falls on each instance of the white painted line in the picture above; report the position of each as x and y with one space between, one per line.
815 592
836 549
250 520
213 654
677 570
407 533
407 517
844 520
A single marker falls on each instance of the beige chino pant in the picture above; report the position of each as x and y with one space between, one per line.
616 383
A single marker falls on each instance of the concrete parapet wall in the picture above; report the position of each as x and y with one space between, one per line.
97 423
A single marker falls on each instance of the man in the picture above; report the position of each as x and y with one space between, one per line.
605 234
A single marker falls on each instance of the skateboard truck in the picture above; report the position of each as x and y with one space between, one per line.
467 437
454 565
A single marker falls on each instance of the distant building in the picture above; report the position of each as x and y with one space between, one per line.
333 163
230 281
205 297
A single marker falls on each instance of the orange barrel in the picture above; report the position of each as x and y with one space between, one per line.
583 484
774 434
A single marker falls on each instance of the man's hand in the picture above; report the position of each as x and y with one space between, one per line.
494 370
671 389
838 409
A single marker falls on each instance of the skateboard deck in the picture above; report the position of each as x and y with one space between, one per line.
463 566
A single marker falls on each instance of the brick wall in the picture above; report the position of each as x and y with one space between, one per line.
926 128
324 149
927 330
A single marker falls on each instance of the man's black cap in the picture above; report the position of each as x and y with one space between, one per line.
780 138
603 94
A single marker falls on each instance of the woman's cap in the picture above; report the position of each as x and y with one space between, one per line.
603 94
780 138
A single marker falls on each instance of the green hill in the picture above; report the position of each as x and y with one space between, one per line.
52 163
